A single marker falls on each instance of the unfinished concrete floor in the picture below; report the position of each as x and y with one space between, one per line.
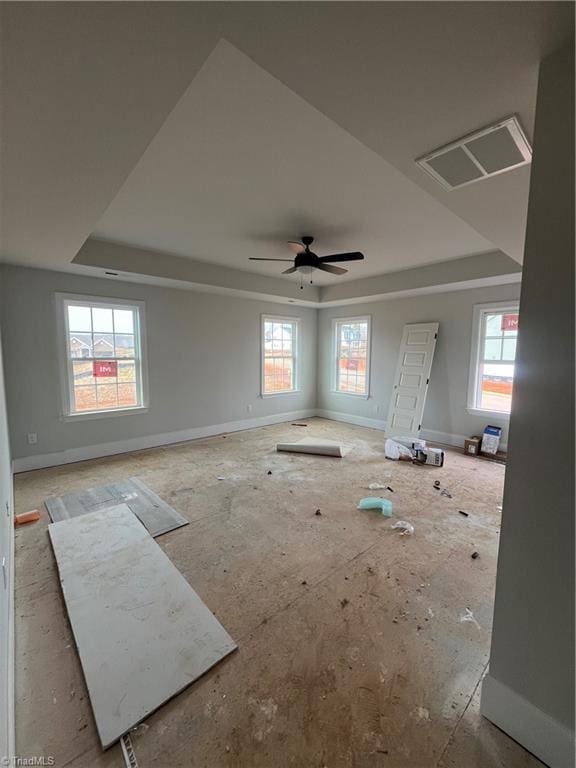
358 647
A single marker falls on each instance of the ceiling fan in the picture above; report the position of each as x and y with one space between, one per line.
306 261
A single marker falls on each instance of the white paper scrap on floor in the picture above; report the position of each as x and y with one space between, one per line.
313 445
141 631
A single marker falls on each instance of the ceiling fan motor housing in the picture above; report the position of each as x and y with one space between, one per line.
306 261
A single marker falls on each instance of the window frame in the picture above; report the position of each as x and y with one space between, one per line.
478 324
63 300
336 323
295 354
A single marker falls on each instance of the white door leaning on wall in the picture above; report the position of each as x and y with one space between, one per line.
411 378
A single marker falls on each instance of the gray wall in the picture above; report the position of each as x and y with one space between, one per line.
203 360
6 550
445 409
533 637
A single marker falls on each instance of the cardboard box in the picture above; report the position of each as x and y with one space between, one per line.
472 446
433 456
491 439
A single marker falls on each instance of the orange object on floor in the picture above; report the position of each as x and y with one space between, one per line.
27 517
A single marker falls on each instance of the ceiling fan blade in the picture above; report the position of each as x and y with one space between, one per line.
333 270
289 271
296 247
355 256
257 258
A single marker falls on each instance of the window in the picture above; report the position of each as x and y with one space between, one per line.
279 355
493 355
102 343
352 345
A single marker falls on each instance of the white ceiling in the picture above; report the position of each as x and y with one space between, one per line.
87 86
242 164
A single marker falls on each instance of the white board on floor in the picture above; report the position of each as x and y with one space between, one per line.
411 379
313 445
141 631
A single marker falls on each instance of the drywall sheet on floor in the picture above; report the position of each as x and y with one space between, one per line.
141 631
312 445
155 514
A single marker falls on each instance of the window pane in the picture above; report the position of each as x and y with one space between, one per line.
352 357
80 345
102 320
510 323
279 348
126 371
509 349
496 387
107 395
82 373
493 349
124 345
85 398
123 321
127 395
79 319
103 345
103 368
494 325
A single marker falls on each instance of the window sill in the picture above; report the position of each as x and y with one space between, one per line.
102 414
350 394
503 416
281 394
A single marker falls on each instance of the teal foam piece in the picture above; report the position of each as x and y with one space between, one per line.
375 502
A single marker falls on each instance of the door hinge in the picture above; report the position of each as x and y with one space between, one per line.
427 382
419 427
435 335
4 573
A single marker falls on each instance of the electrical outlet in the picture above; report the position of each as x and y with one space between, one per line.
32 438
249 407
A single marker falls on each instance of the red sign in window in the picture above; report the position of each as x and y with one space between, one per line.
104 368
509 322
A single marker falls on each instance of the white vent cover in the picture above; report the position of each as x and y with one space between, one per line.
488 152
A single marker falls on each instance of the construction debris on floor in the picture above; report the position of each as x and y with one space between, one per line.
413 449
375 502
141 631
313 445
27 517
155 514
405 528
355 638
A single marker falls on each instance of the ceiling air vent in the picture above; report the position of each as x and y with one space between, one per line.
488 152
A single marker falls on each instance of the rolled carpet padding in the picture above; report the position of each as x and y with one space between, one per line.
313 445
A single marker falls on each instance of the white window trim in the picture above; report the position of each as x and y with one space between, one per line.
336 321
296 354
473 378
66 381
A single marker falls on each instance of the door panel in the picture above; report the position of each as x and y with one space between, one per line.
411 378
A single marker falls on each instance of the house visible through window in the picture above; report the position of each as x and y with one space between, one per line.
279 355
352 345
103 355
494 353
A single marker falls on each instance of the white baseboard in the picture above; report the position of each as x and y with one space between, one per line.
447 438
432 435
350 418
551 741
71 455
444 438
